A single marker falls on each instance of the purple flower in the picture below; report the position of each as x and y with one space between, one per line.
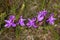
51 19
21 21
10 22
41 15
31 23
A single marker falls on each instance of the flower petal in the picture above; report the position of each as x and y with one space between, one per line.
7 21
11 17
40 18
13 25
7 25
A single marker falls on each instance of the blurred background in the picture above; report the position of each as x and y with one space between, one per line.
29 9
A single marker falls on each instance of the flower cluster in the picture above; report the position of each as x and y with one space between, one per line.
31 22
41 15
10 22
51 19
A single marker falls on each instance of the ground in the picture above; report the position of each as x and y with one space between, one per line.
29 9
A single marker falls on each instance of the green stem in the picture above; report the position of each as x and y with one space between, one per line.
43 3
21 10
